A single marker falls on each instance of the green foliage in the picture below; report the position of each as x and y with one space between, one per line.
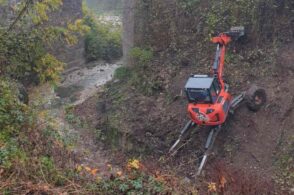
139 78
12 111
48 68
122 73
12 118
103 41
136 182
11 152
23 52
141 56
188 4
72 118
39 10
25 56
47 164
3 2
285 164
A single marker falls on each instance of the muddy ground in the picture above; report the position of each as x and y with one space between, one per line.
251 145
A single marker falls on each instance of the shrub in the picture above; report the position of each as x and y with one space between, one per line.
141 78
103 41
122 73
12 117
141 56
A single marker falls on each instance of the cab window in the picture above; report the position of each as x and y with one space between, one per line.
199 95
213 94
216 86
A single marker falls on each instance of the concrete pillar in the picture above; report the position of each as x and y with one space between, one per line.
128 28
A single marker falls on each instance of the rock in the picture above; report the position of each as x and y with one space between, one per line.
81 74
186 180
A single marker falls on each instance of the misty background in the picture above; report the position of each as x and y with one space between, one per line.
108 7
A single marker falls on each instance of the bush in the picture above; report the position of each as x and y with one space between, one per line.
141 56
141 78
122 73
103 41
12 117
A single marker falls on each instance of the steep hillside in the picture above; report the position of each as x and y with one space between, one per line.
142 112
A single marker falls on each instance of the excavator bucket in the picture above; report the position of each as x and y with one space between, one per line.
236 32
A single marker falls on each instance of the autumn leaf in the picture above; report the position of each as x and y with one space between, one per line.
1 171
119 173
94 171
212 187
88 169
223 181
109 166
134 164
79 168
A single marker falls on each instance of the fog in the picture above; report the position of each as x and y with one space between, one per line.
113 7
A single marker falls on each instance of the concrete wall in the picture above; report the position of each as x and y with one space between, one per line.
128 28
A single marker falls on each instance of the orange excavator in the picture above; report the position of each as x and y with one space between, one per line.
210 101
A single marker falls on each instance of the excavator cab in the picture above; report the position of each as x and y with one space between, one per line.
202 89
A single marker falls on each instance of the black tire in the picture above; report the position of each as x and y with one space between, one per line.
255 98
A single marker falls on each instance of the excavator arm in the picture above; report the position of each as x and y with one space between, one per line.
222 40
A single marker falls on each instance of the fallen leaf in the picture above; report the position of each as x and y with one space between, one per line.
119 173
212 187
109 166
135 164
88 169
94 171
79 168
223 181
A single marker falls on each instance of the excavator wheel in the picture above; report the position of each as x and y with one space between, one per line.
255 98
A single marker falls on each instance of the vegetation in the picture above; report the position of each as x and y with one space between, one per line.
103 41
285 164
12 119
36 155
140 78
122 73
134 180
24 51
137 74
29 139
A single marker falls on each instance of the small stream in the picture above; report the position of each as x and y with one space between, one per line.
77 85
81 83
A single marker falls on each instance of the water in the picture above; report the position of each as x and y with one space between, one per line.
84 82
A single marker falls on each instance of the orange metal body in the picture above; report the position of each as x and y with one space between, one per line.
217 117
221 105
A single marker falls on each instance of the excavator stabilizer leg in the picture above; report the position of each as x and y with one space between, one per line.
187 127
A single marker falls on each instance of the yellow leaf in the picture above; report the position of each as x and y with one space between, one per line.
88 169
109 166
212 187
98 179
79 168
134 164
119 173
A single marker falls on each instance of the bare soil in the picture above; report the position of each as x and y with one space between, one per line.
249 142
